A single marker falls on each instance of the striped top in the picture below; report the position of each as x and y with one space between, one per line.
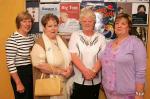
18 51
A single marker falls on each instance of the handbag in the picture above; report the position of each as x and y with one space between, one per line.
51 86
48 86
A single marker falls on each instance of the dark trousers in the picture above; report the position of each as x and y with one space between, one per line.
85 91
25 75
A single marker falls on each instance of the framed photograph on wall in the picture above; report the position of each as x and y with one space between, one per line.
140 13
124 7
33 8
48 8
141 33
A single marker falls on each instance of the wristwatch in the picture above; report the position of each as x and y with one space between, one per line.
139 93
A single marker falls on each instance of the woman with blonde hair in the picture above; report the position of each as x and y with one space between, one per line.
84 46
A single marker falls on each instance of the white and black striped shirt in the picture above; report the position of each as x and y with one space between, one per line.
18 51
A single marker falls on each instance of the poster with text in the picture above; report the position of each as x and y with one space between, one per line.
48 8
44 1
105 14
140 1
69 17
70 0
115 0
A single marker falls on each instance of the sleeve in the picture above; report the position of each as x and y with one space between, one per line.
11 51
73 43
37 55
103 43
102 47
140 61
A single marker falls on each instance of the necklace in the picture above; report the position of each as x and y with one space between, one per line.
117 43
55 42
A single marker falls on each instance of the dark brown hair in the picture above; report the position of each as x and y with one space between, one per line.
47 17
127 17
140 6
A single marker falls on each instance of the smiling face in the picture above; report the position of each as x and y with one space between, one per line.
51 28
24 23
121 27
87 23
25 26
87 20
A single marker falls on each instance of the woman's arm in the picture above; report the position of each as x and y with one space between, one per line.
140 68
11 51
87 73
68 71
96 68
39 61
19 86
47 68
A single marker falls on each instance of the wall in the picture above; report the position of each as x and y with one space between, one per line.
8 10
147 95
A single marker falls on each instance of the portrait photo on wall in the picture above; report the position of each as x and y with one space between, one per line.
33 8
141 33
124 7
140 13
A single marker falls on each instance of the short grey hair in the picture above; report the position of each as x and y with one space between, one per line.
88 13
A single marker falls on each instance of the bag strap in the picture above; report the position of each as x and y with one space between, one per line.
40 42
84 81
42 75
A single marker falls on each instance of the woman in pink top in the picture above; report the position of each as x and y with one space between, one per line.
124 63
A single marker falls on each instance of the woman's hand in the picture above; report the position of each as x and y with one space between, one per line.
44 67
66 72
20 88
88 74
139 97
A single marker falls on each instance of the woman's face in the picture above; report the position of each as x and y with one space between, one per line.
51 28
25 25
121 27
87 23
64 16
138 29
141 10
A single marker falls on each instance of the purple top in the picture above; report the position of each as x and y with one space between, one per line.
125 66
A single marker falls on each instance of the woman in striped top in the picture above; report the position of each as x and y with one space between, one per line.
18 47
